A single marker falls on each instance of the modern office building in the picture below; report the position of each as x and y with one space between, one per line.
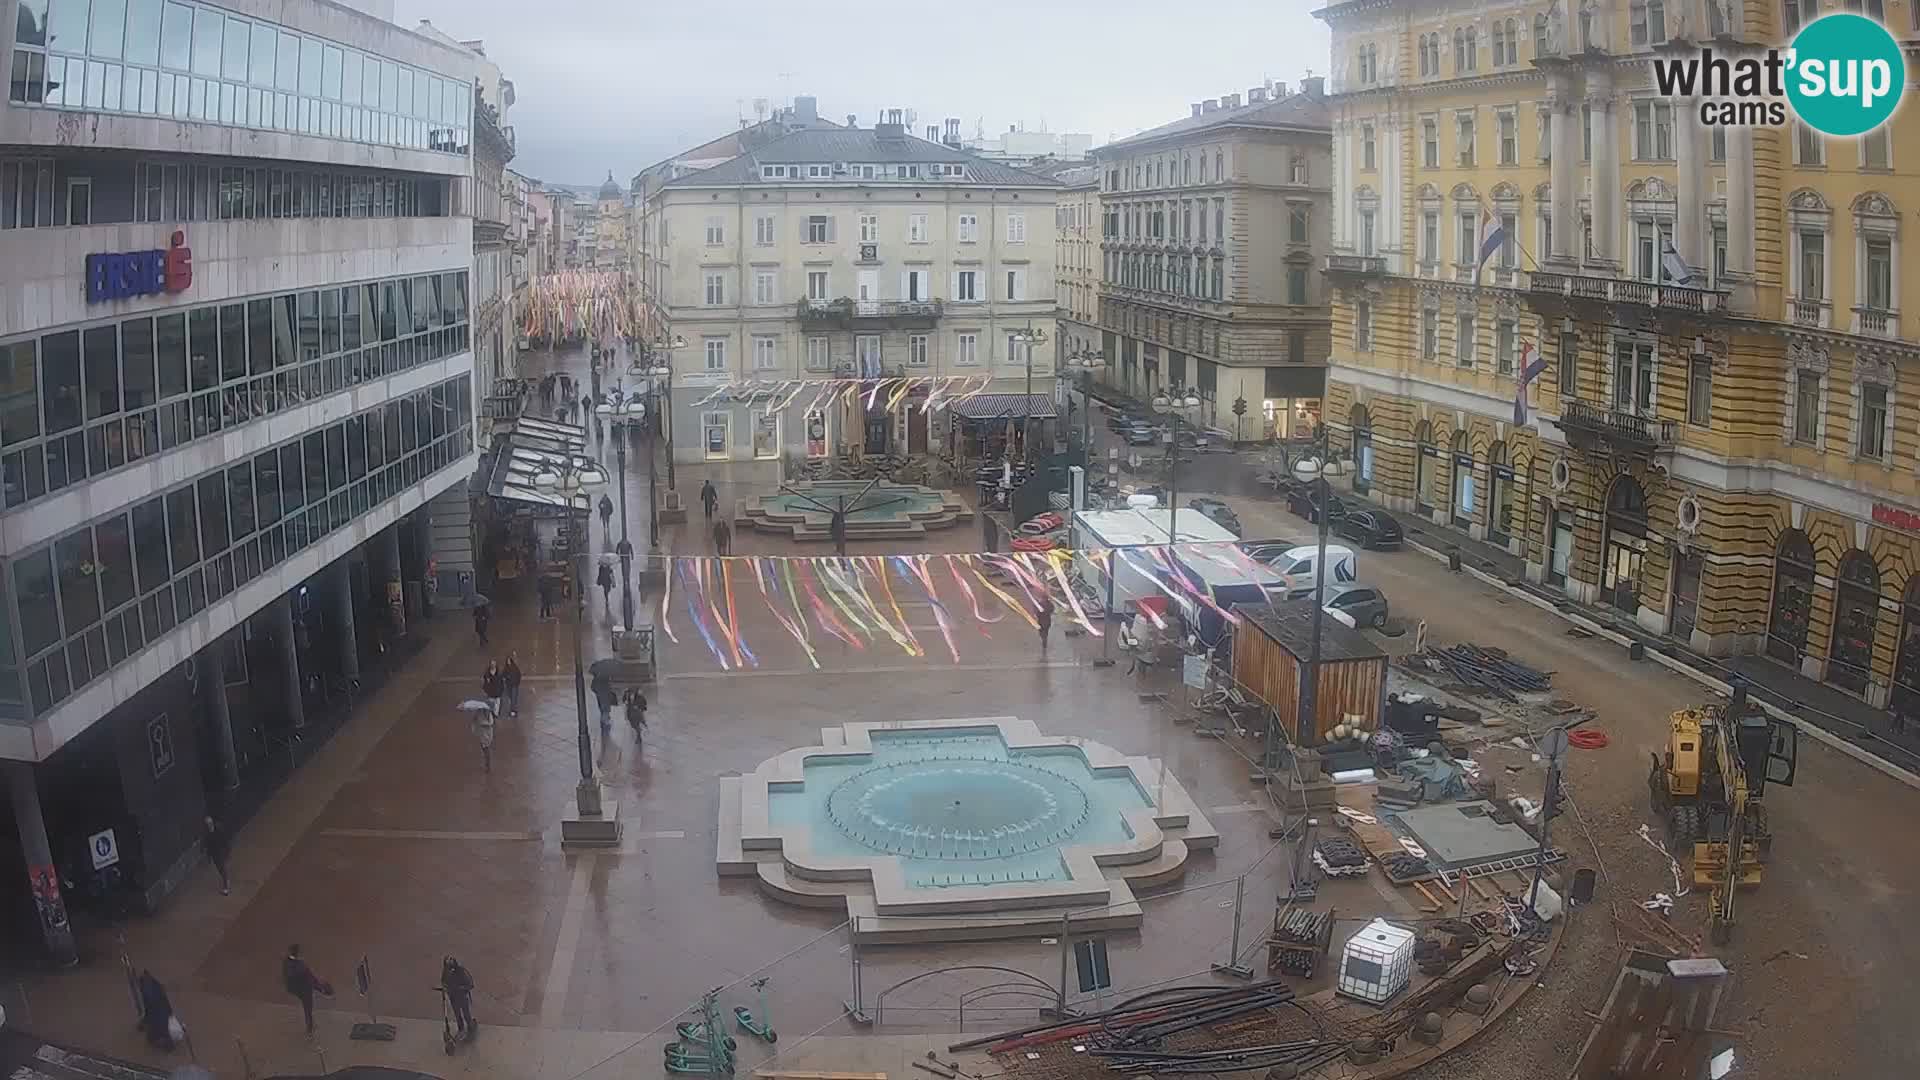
1212 231
234 366
1720 442
853 253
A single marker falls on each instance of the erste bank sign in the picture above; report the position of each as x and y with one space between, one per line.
128 274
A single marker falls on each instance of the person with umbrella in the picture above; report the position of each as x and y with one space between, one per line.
480 715
604 695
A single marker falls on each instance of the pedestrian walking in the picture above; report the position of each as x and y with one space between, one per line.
458 984
480 617
635 704
493 686
510 681
302 983
709 498
1045 618
214 838
605 581
484 723
545 589
722 537
156 1013
603 694
606 512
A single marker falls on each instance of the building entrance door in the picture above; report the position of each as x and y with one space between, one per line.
1686 594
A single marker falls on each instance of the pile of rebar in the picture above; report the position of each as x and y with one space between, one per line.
1302 1054
1490 670
1303 927
1145 1022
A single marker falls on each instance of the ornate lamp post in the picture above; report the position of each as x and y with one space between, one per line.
664 370
595 821
662 405
1169 404
1027 339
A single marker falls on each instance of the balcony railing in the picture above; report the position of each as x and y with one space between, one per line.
1876 322
1807 311
1621 291
1587 424
1356 264
845 313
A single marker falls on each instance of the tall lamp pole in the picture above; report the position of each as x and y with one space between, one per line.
662 405
578 480
667 345
1179 400
1027 339
1310 685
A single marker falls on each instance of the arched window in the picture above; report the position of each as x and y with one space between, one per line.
1219 167
1459 50
1499 44
1540 34
1905 699
1501 483
1473 50
1187 175
1856 620
1792 597
1624 549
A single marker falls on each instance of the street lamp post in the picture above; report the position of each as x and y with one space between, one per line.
1178 400
1027 339
662 404
1310 684
665 370
594 821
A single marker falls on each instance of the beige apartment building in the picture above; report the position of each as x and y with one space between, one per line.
853 253
1214 229
1721 442
1076 257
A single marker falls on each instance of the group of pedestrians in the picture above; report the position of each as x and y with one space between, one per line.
501 686
722 531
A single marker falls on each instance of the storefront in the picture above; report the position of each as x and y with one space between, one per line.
1462 509
1361 425
1856 620
1905 699
1501 485
1426 459
1290 401
1624 549
1792 597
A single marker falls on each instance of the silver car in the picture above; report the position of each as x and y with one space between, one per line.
1366 605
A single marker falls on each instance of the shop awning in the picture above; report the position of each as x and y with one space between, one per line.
1004 407
532 447
551 436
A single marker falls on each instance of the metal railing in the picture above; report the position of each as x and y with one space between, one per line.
845 311
1619 427
1356 264
1622 291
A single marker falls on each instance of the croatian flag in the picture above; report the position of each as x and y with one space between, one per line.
1531 365
1493 236
1673 267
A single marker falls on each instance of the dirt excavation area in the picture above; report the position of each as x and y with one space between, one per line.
1824 951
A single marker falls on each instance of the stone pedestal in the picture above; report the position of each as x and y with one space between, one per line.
591 820
671 511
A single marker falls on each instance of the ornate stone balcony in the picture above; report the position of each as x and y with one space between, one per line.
1608 290
1590 426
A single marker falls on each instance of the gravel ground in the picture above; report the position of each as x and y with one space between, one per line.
1822 953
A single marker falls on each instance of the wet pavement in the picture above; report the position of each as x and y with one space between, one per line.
396 846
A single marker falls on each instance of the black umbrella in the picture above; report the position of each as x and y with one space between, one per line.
605 668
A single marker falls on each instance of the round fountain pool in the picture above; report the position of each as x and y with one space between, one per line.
958 808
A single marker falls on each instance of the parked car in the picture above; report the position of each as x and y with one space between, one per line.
1375 529
1140 435
1265 551
1304 502
1297 566
1365 604
1217 512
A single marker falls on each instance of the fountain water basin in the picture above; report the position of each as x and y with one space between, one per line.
939 828
874 510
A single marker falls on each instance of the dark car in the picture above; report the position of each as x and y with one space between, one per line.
1217 512
1265 551
1375 529
1139 435
1304 502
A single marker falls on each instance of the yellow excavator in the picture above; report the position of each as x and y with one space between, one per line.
1718 764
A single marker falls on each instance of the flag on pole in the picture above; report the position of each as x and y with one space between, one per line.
1531 365
1493 237
1673 267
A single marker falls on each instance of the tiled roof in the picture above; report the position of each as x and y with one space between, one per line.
859 146
1300 110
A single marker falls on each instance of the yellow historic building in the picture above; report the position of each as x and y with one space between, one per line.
1723 438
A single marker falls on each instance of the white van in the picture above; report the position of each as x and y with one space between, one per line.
1296 567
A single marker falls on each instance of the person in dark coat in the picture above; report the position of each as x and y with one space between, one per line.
1045 618
510 682
214 838
709 498
480 618
722 537
156 1012
493 686
546 597
302 983
603 693
605 581
458 984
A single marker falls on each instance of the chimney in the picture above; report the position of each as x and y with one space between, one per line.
1279 91
1231 101
893 127
933 132
1315 86
852 120
1257 95
953 131
1209 105
1196 108
807 107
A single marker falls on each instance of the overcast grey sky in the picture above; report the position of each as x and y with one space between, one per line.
619 84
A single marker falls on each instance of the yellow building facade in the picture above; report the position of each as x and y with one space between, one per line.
1723 436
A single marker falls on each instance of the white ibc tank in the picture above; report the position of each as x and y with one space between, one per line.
1376 963
1142 502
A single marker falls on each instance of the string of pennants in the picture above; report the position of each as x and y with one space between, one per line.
596 303
856 600
775 395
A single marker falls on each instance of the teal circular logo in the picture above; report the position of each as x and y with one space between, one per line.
1845 75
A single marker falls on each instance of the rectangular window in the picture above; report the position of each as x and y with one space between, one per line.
716 349
1463 333
1430 237
1813 265
1220 221
1366 147
1512 242
966 352
1463 137
1718 142
1699 391
1016 228
819 354
1719 254
1363 326
1469 238
1297 224
1569 373
1297 285
1633 377
763 287
1505 346
1806 408
819 229
869 228
716 232
765 355
817 288
917 228
1016 289
1874 152
1878 291
1429 144
1366 233
969 228
1509 139
1429 335
763 230
966 285
1586 132
716 289
917 350
1872 441
1809 147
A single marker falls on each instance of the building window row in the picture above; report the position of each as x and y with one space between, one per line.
191 61
39 192
82 401
1195 276
99 594
1189 168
